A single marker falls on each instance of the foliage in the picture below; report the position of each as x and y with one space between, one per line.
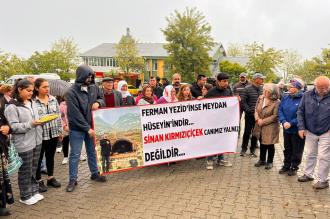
233 69
188 43
11 64
290 63
236 50
127 55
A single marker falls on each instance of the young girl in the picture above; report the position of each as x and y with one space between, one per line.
22 116
52 131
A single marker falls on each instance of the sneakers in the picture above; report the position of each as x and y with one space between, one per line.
98 178
38 197
243 153
82 157
53 182
65 161
268 166
71 186
209 164
321 185
59 150
283 170
260 163
292 172
224 163
42 186
305 178
30 201
253 155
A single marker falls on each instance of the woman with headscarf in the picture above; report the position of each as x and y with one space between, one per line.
168 95
293 144
128 100
267 127
147 96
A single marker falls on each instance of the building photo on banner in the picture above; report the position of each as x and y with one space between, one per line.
138 136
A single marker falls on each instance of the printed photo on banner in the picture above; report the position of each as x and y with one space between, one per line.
118 139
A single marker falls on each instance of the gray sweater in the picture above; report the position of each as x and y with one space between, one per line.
25 136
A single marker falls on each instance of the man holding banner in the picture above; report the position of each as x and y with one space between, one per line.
221 89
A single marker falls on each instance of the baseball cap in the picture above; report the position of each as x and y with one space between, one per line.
258 75
243 74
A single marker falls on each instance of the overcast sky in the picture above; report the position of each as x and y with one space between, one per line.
32 25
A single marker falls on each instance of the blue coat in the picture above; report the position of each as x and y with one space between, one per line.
287 111
314 113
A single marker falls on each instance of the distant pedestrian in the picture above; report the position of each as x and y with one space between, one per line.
267 127
314 125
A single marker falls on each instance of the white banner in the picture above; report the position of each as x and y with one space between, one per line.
153 134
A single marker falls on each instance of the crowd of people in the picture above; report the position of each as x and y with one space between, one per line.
304 116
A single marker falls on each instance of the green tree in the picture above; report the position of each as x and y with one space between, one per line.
188 43
127 55
236 50
307 70
290 63
11 64
263 60
233 69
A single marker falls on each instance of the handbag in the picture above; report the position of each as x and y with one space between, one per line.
14 160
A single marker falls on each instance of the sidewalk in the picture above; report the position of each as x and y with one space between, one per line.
184 190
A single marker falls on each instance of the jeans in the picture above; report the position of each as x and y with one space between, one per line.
318 148
76 141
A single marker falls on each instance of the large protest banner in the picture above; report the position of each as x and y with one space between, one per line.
130 137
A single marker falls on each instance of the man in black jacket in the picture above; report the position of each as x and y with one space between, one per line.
248 103
158 91
196 87
83 97
221 89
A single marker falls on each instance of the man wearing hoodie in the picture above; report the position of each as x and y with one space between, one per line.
221 89
83 97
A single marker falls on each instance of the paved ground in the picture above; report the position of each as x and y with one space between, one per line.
185 190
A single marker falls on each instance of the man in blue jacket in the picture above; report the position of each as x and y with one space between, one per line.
314 124
287 113
83 97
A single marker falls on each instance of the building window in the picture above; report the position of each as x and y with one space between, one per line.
154 65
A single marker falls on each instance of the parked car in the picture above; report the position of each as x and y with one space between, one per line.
133 90
47 76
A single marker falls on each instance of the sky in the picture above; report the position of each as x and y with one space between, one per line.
33 25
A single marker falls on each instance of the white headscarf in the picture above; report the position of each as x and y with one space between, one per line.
167 94
123 93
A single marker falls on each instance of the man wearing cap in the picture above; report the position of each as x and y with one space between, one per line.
112 98
221 89
314 125
239 87
82 97
248 102
196 87
287 114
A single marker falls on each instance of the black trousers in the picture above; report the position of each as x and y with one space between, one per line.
48 148
65 146
249 125
263 152
293 150
105 163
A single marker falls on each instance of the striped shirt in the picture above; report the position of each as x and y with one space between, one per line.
53 128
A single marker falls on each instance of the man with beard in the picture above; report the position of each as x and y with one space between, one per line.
196 87
176 82
83 97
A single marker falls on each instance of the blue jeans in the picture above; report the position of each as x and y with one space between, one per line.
76 141
220 157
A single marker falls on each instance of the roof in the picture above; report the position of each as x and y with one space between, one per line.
242 60
145 50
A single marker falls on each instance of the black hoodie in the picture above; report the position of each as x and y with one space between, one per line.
79 102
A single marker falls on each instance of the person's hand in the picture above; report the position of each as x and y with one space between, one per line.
95 106
66 128
301 134
60 137
4 129
286 125
91 133
239 98
259 122
199 97
36 123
